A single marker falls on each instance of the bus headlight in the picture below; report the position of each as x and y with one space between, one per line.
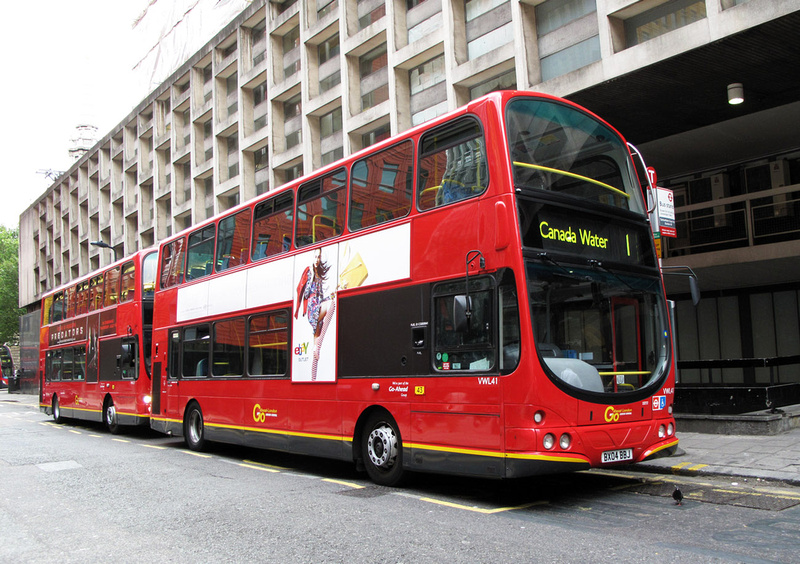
662 431
670 429
549 440
147 399
565 441
538 417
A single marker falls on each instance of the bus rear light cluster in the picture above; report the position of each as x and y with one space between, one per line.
564 442
538 417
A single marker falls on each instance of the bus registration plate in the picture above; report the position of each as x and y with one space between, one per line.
617 455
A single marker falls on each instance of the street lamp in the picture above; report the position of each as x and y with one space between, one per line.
104 245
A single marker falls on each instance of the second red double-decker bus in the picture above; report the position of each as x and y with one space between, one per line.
479 295
94 345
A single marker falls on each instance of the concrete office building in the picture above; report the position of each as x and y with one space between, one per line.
288 87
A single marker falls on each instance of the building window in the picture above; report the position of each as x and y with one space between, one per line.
662 19
488 26
259 42
292 121
374 77
330 123
376 135
428 90
332 156
425 20
329 65
506 81
291 52
325 7
233 155
328 49
370 11
232 87
578 50
294 172
259 106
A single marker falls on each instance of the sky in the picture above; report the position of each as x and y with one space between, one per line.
65 64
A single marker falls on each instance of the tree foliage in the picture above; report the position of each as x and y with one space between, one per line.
9 285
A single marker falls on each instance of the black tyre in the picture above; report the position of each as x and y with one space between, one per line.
382 450
193 432
110 417
57 411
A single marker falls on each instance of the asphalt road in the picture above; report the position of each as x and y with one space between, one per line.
74 493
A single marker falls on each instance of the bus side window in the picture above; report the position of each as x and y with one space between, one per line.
381 185
111 286
200 253
128 283
233 241
452 165
174 365
508 324
273 226
79 370
268 344
464 343
228 348
320 209
196 351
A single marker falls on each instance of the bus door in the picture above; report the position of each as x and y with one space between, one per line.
626 344
169 391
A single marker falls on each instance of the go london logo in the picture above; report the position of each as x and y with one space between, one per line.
613 414
260 414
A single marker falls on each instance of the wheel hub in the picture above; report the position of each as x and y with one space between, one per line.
382 447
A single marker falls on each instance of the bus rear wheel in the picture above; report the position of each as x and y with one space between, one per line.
382 450
193 431
110 417
57 411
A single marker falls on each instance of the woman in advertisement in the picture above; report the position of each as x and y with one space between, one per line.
318 308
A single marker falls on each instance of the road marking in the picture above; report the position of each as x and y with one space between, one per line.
195 453
697 467
120 440
154 446
276 468
75 432
256 466
343 483
481 510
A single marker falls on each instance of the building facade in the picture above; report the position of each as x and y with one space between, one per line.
288 87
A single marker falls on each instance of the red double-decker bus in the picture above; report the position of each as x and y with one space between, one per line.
479 295
94 345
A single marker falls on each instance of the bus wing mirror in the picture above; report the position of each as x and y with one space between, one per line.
694 288
461 313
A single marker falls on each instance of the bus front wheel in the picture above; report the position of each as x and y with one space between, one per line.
193 431
382 450
57 411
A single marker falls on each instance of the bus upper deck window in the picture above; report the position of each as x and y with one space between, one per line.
452 165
